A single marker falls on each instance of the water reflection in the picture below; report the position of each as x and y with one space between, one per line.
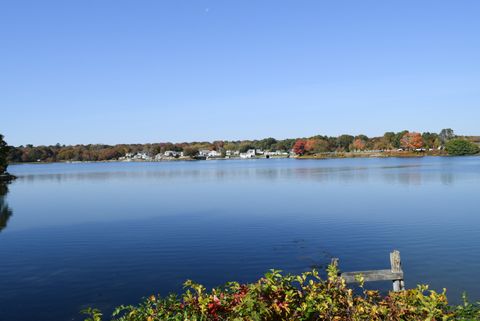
401 175
5 211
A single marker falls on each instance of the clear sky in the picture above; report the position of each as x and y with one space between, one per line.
90 71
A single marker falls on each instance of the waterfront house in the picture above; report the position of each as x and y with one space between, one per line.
249 154
214 153
232 153
171 153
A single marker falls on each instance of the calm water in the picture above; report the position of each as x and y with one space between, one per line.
106 234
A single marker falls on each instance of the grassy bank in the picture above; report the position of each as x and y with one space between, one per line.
293 297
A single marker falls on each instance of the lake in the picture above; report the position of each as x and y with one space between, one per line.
105 234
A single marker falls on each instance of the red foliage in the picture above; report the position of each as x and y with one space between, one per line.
299 147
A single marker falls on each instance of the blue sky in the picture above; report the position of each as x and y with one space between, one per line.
149 71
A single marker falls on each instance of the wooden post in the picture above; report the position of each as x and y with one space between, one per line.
396 263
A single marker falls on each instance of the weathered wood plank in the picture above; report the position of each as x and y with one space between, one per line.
395 274
374 275
396 265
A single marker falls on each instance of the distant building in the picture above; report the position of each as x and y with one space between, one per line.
232 153
276 153
137 156
249 154
214 153
209 153
171 153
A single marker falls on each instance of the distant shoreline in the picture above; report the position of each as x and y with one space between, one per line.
390 154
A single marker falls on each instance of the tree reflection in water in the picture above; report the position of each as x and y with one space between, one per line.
5 211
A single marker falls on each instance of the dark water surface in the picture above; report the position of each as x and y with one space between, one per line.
104 234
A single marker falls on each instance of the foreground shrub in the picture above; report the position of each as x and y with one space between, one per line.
460 147
291 297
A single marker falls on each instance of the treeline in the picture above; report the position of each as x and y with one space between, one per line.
404 140
100 152
311 145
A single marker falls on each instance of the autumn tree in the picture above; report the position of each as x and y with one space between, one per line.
358 144
299 147
411 141
316 145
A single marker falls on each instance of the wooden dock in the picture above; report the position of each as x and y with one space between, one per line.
394 274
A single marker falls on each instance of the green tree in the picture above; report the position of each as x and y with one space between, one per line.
460 147
267 143
362 137
398 137
388 140
430 140
246 146
446 134
285 144
230 146
3 155
344 142
190 151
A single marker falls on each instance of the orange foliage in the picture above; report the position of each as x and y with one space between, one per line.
310 145
359 144
411 141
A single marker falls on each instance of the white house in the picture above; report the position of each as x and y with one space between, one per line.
171 153
214 153
249 154
276 153
142 156
232 153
